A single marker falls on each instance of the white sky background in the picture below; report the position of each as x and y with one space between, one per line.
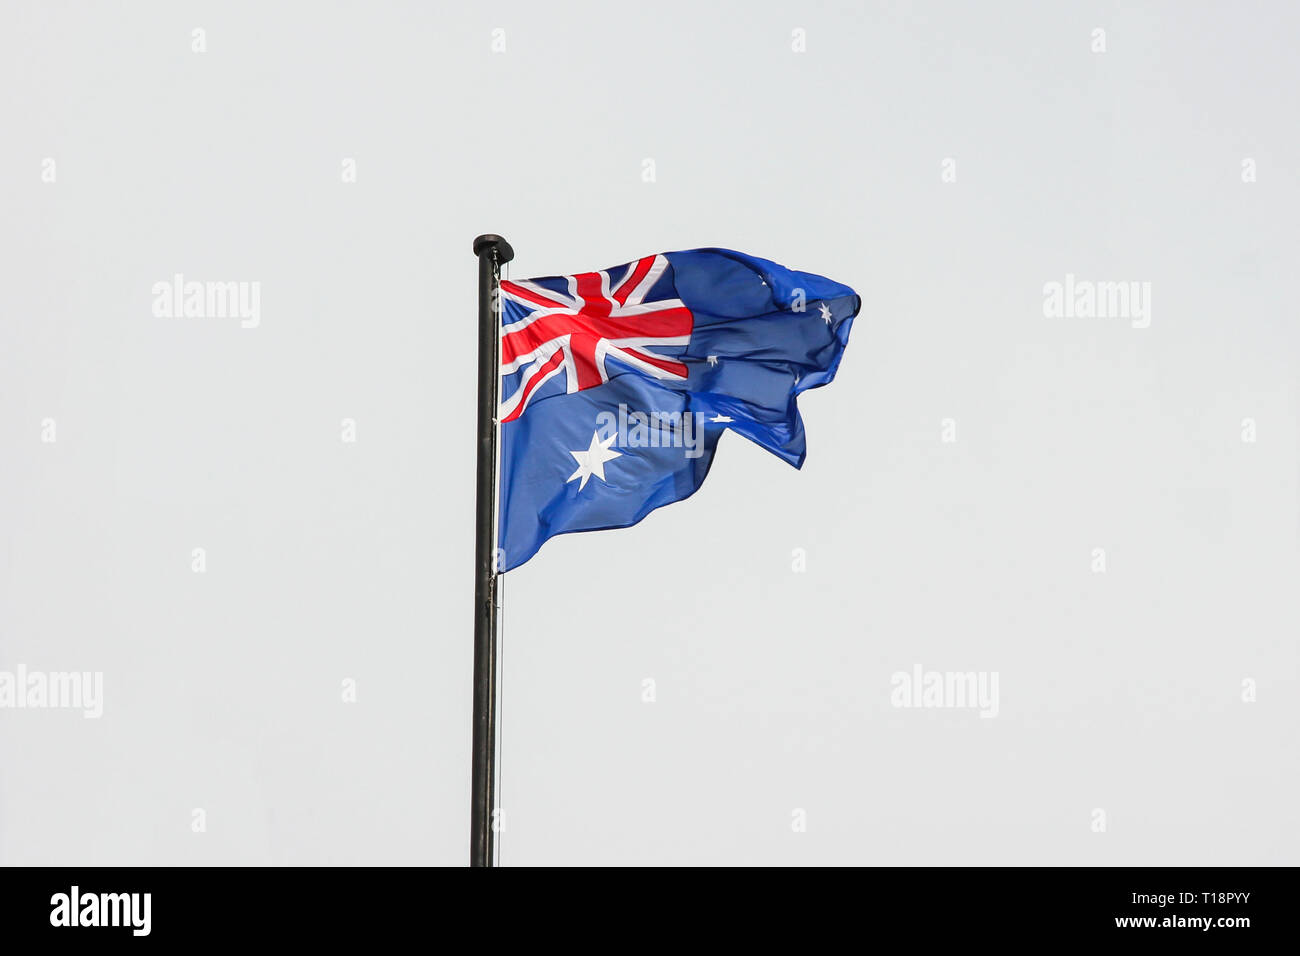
329 561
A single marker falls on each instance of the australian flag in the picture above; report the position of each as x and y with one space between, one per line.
616 385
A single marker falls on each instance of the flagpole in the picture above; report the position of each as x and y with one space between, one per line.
492 252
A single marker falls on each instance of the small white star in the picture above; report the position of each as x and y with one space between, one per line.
826 312
722 418
592 461
713 360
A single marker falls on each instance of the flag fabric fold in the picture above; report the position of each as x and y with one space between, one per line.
616 385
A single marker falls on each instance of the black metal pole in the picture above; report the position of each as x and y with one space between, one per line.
492 252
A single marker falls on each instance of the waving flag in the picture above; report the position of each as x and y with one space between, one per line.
616 385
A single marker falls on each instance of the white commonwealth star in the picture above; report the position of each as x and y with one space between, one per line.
721 418
592 461
826 312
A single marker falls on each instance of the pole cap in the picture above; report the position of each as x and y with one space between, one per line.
488 241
